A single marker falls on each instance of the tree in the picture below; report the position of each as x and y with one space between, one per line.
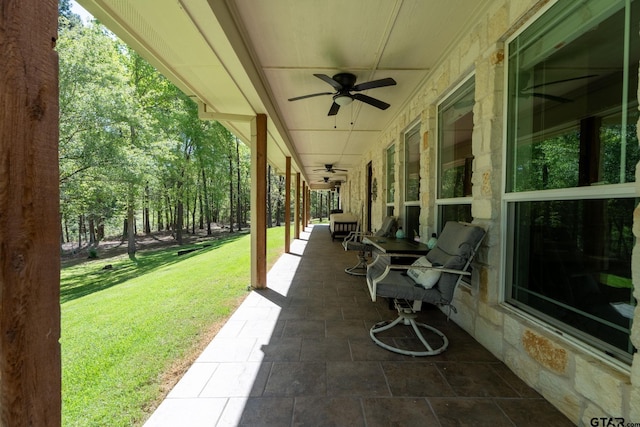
130 141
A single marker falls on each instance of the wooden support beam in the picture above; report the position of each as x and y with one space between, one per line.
297 207
29 219
287 206
259 202
308 205
304 205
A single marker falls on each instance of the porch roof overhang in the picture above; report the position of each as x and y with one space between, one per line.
239 58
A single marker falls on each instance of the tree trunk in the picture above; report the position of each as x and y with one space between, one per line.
131 237
66 228
147 223
100 229
230 194
207 208
193 213
201 212
79 231
179 221
92 231
168 212
239 193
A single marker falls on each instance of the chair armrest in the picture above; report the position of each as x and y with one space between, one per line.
417 267
354 236
372 282
424 267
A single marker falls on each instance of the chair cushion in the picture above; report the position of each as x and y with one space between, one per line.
401 286
454 255
387 228
425 278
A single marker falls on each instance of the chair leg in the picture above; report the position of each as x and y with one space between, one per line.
360 269
406 316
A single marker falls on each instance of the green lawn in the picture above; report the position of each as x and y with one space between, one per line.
124 329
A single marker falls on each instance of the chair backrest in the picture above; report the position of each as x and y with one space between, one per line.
387 227
455 249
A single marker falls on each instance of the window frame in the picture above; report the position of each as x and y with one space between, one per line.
390 178
413 129
442 202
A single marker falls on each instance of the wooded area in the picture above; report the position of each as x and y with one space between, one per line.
133 150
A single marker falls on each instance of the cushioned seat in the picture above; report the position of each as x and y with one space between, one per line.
450 258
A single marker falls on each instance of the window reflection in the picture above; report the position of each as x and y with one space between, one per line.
572 113
412 165
572 262
566 105
391 179
455 158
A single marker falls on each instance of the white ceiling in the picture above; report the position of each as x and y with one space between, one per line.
244 57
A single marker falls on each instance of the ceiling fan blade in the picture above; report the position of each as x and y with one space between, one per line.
310 96
327 79
334 109
549 97
371 101
374 83
561 81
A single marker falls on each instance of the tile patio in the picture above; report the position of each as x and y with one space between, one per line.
299 353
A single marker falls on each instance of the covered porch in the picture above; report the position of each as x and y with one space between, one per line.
299 353
252 66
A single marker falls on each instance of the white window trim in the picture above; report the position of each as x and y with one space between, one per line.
454 200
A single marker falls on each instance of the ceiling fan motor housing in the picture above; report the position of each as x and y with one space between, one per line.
347 80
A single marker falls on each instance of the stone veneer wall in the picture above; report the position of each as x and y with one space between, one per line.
580 384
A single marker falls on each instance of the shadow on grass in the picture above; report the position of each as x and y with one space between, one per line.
92 277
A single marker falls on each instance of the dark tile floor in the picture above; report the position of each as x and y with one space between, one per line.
299 353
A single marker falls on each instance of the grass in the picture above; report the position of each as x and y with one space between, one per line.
126 328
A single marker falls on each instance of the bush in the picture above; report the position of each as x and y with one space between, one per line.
93 253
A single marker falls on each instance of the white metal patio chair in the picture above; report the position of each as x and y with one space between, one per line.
353 242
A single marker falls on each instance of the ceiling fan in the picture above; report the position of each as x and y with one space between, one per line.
344 84
329 168
528 91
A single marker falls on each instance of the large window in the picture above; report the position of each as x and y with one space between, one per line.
412 182
572 149
455 157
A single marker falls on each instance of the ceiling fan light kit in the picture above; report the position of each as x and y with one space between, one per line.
344 84
342 100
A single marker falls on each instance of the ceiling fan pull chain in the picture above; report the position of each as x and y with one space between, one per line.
351 114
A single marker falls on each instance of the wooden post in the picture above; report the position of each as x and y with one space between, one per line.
304 205
29 219
287 206
297 207
308 206
259 202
